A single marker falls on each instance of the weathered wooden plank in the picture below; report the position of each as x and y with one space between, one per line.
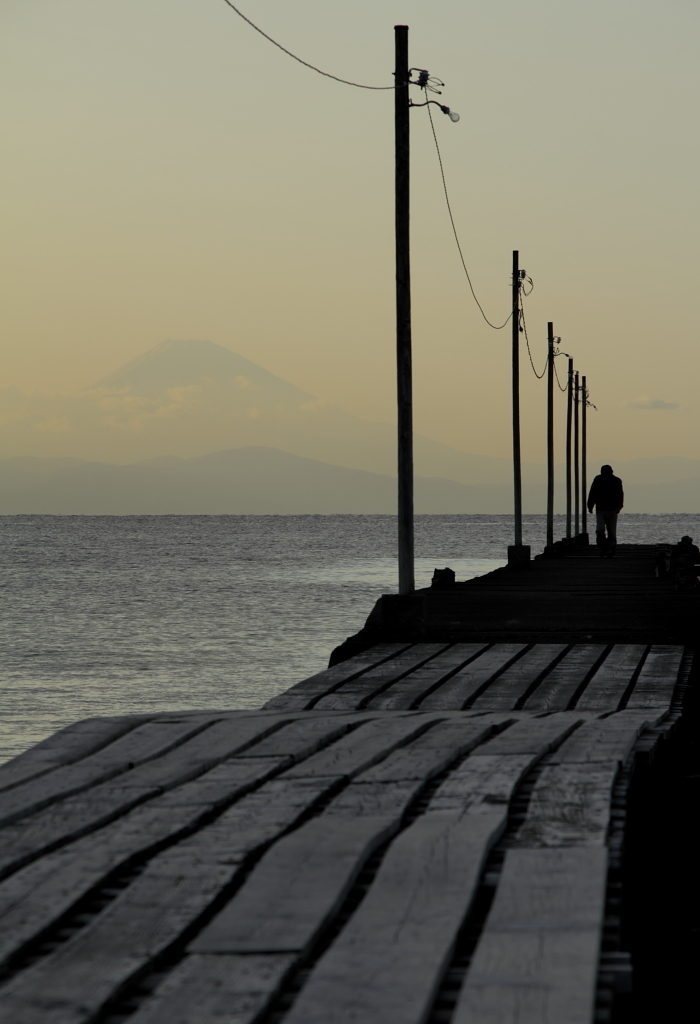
507 689
412 688
296 887
362 747
657 680
215 743
60 823
483 782
489 776
607 686
256 820
533 735
605 739
374 799
140 744
302 738
431 752
386 963
313 867
303 694
569 806
357 693
216 989
40 893
66 746
537 958
73 982
453 694
558 687
67 819
221 784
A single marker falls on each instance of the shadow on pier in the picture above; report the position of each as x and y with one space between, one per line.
576 598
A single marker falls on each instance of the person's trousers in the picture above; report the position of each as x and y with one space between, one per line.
606 521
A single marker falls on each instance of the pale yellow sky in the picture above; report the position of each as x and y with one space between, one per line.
169 174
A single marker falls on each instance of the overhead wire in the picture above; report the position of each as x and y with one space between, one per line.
521 291
496 327
566 386
524 329
378 88
326 74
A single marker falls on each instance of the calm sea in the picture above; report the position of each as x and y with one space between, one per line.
107 615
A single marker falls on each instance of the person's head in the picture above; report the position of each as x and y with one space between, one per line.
686 540
606 471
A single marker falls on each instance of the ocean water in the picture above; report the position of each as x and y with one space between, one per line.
107 615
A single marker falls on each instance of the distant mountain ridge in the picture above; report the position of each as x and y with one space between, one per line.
178 364
189 398
266 481
239 481
184 400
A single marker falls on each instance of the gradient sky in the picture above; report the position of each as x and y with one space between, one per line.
169 174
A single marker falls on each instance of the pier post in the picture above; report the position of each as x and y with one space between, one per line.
550 434
518 553
577 480
584 495
403 313
568 446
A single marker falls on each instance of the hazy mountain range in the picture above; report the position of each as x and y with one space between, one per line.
265 481
190 398
191 427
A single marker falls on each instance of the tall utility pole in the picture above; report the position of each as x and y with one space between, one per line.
518 553
550 434
569 396
577 481
517 472
584 496
403 312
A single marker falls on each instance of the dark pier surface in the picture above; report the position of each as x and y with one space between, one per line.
575 598
480 814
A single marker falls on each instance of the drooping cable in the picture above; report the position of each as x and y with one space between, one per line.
326 74
566 386
496 327
539 376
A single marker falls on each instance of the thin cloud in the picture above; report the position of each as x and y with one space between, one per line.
652 403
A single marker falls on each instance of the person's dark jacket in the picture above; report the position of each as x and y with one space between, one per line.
606 493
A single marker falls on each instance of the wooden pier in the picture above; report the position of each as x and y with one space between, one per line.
431 831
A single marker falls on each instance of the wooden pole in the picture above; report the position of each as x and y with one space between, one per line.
569 396
584 496
550 434
517 471
403 313
577 481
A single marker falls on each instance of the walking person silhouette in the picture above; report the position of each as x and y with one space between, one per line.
607 496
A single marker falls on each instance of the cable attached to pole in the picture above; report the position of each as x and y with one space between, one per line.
326 74
521 313
496 327
566 386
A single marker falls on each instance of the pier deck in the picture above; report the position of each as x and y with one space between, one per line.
428 832
573 599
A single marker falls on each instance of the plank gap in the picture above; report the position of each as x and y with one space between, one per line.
484 686
624 699
522 700
580 690
287 994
